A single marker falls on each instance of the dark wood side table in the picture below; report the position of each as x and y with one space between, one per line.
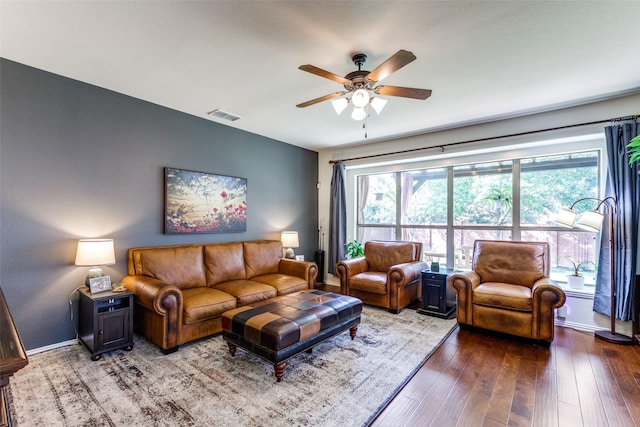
437 299
105 321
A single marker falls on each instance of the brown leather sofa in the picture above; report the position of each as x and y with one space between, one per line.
181 291
387 276
509 289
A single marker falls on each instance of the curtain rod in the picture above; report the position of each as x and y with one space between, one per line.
451 144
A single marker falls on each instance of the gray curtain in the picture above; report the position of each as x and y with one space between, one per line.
337 218
622 183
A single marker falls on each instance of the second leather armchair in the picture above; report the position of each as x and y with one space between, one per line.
387 276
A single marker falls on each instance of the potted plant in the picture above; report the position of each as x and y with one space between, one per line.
576 280
355 249
634 150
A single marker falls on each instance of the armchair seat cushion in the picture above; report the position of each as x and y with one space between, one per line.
503 295
284 284
205 303
248 291
373 282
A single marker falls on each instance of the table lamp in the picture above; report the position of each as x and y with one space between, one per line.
94 253
289 240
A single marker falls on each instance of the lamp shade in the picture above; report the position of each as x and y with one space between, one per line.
93 252
378 104
290 239
591 221
339 104
565 217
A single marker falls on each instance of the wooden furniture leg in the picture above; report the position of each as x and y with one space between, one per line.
352 332
232 348
279 370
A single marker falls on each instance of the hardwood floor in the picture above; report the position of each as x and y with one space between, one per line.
482 379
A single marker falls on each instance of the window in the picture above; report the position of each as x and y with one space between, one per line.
448 208
482 194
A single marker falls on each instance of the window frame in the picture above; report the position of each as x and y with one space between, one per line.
537 148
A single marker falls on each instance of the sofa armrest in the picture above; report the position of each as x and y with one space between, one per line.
306 270
163 300
154 294
463 284
348 268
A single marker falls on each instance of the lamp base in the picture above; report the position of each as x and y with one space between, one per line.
613 338
93 272
288 253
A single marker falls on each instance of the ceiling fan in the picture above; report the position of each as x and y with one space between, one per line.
359 84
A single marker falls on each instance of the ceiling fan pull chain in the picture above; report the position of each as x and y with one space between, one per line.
364 124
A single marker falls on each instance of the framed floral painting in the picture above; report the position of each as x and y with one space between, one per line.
200 202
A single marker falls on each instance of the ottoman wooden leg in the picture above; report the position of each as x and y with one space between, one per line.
352 331
232 348
279 370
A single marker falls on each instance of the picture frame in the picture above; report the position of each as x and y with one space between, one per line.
202 202
100 284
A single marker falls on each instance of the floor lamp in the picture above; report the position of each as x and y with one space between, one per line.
592 221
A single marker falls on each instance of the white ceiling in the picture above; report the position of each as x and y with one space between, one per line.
482 59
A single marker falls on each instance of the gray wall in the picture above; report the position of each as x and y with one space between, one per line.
78 161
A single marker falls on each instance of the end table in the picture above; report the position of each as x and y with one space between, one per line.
437 299
105 321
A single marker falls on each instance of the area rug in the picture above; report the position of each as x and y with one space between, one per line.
342 382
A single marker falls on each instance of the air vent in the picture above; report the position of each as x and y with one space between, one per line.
224 115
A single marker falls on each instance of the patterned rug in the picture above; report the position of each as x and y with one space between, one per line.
343 382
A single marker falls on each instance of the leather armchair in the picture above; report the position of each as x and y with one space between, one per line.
509 290
387 276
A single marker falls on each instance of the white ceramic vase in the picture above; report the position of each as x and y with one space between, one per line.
575 282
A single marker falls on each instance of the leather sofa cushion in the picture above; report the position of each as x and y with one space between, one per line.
181 266
204 303
521 264
224 262
372 282
503 295
382 255
247 291
285 284
262 258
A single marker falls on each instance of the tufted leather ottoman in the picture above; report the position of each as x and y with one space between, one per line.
287 325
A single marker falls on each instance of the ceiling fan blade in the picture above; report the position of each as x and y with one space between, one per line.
324 73
405 92
322 98
397 61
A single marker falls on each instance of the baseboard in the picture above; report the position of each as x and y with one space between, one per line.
578 326
51 347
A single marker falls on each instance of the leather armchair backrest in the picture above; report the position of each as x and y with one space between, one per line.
262 257
182 266
520 263
224 262
382 255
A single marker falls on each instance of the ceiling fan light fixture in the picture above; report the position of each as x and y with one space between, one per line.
378 104
340 104
358 113
360 98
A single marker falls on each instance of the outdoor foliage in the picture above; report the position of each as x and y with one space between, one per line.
413 205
